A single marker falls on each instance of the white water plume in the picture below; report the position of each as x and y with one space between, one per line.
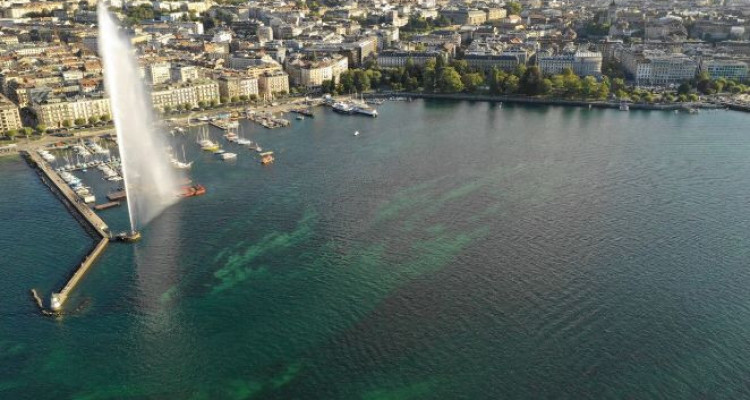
151 183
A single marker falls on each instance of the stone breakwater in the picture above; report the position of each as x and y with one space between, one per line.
93 224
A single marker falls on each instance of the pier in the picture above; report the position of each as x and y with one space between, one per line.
90 221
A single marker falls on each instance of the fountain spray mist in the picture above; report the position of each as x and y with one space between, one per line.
151 183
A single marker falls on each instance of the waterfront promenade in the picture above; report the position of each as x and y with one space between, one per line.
550 101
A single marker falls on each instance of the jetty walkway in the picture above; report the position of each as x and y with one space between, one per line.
93 224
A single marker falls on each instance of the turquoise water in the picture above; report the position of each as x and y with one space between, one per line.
451 250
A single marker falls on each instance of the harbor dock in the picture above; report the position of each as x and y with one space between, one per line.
83 214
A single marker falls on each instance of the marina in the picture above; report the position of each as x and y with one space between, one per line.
267 119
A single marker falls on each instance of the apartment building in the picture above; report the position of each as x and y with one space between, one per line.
396 58
273 82
236 86
310 74
53 111
728 69
656 67
10 118
172 96
582 62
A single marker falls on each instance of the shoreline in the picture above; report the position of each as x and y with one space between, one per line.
179 119
551 102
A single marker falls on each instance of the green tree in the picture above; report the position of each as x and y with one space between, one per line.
346 80
684 88
79 121
496 78
558 83
27 131
511 84
361 81
214 103
106 117
546 86
602 92
328 86
66 123
12 133
472 81
93 119
513 7
186 106
589 86
531 82
202 104
617 84
41 128
167 109
243 97
461 66
449 81
573 85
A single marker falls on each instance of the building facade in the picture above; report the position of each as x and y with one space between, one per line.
582 62
312 74
54 112
10 118
236 86
394 58
727 69
179 95
272 83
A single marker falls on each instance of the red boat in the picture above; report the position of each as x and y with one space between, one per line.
192 190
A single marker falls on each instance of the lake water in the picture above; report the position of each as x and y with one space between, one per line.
451 250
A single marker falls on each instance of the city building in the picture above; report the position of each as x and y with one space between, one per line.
55 111
312 73
582 62
728 69
271 83
173 96
464 16
486 62
657 67
395 58
235 86
10 118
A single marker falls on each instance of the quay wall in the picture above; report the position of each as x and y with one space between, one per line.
58 299
545 101
77 207
83 213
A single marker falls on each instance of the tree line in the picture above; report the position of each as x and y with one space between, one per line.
439 76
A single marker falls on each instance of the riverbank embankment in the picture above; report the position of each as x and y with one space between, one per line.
549 101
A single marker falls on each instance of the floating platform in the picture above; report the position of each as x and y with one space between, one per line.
127 237
303 111
119 195
105 206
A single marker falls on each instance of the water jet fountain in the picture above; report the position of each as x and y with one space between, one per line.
150 183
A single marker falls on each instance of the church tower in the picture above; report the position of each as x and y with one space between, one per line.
612 13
